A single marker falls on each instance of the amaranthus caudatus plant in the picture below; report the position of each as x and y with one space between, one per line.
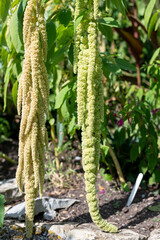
90 103
32 104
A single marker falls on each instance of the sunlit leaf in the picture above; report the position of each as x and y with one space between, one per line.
16 26
61 96
152 23
109 21
148 12
6 82
14 92
14 3
105 149
65 110
157 25
4 7
78 20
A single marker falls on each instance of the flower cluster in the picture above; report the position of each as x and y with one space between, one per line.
120 122
155 111
90 101
32 104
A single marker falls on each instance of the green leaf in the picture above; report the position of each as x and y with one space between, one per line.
139 93
16 26
119 4
61 96
156 175
150 96
155 208
78 20
64 35
155 178
72 126
58 56
104 150
154 56
156 219
157 25
105 176
65 111
152 159
2 201
65 16
14 92
134 152
52 121
143 166
51 33
125 187
125 65
106 31
4 56
152 23
70 53
109 67
4 7
14 3
108 21
6 82
131 90
148 12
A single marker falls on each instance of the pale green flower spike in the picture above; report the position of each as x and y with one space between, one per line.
82 82
79 9
32 104
96 9
92 41
90 107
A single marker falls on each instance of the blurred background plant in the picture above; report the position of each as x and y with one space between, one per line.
129 38
2 201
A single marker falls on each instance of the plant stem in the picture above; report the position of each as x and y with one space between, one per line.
55 147
138 75
7 158
116 162
110 171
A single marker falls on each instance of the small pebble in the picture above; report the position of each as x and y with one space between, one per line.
125 209
150 199
77 158
143 229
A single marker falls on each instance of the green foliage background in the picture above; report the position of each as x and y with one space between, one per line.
129 41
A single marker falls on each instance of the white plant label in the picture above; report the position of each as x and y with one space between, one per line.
134 190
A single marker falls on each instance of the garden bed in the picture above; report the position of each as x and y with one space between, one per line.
112 201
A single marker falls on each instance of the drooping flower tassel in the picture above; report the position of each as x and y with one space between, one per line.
91 109
32 103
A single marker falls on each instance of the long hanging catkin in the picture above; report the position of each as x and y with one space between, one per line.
90 103
32 103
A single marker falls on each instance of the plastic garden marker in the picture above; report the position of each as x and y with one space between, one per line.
134 190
